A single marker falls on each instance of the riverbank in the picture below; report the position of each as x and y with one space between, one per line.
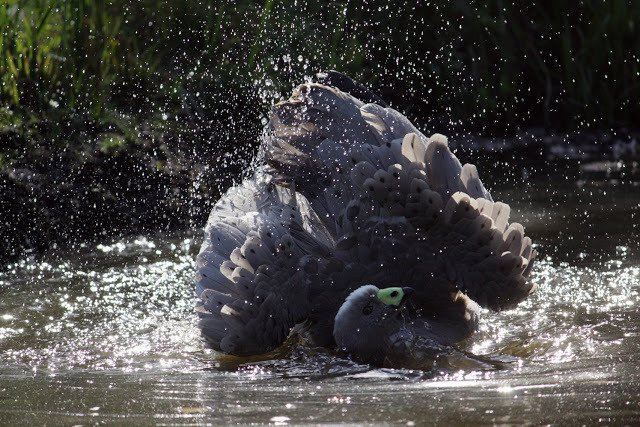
69 182
115 179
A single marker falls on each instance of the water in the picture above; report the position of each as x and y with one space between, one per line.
106 333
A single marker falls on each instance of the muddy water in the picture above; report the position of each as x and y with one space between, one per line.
106 333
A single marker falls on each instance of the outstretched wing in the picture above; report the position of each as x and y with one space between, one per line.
468 236
381 187
250 285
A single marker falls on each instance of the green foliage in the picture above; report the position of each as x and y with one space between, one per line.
58 53
492 65
112 143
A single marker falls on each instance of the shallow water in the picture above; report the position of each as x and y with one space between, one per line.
106 333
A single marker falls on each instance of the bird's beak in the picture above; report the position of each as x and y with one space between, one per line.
406 293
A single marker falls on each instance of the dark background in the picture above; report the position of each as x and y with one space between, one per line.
127 116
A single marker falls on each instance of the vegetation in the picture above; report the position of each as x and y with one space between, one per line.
482 64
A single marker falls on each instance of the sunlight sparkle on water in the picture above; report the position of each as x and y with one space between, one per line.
124 309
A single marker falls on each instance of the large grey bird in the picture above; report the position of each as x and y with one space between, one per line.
357 226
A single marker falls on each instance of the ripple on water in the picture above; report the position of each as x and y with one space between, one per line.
116 323
134 312
581 323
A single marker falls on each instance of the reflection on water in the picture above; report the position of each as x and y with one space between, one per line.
107 333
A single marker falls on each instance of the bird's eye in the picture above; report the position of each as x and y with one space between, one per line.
367 309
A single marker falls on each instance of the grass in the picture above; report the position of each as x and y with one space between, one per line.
492 66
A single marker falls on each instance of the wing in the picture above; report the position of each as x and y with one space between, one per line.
460 235
391 196
250 287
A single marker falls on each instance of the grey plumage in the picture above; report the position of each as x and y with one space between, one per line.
351 194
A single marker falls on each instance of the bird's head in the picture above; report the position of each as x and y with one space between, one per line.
367 319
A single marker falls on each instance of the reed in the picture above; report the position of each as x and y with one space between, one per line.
487 65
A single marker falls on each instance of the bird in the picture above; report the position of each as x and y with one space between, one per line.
358 232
